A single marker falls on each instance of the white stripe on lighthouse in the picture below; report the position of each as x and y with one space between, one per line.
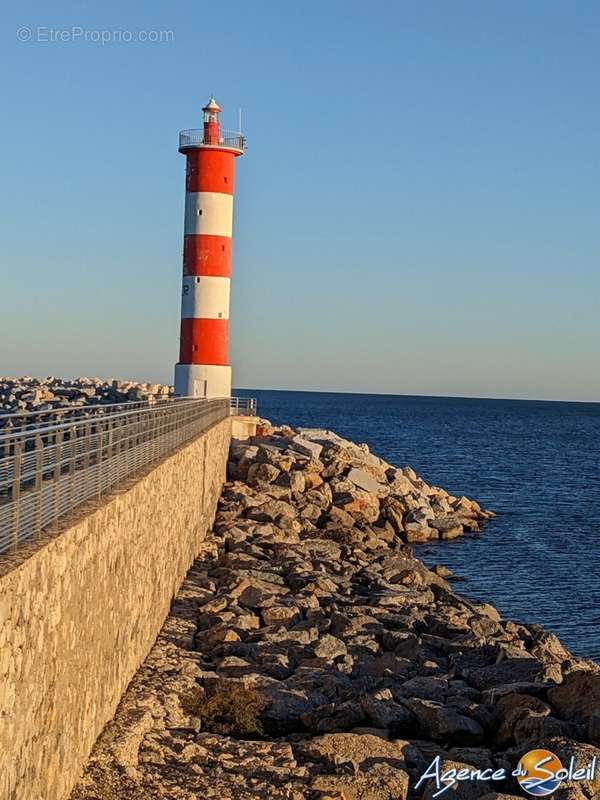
205 297
202 380
208 212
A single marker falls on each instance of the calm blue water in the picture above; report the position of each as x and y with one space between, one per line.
537 464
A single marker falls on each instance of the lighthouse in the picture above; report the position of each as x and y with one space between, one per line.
203 369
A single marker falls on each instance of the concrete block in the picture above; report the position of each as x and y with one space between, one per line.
301 445
363 480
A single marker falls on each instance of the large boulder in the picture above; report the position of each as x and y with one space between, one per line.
305 446
513 670
511 709
259 594
362 506
578 697
329 647
418 532
441 722
331 717
261 473
393 511
285 706
271 510
380 782
422 515
447 527
399 483
294 480
426 687
383 712
281 615
363 480
364 750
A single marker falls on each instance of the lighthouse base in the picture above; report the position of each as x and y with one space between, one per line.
202 380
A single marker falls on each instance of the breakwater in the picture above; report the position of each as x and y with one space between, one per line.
26 393
535 463
311 655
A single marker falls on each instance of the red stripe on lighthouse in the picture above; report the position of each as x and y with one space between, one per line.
207 255
204 341
210 171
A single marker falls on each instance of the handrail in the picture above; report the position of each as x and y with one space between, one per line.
25 412
84 410
243 406
48 470
57 426
194 137
51 426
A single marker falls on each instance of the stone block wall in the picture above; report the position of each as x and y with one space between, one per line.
80 610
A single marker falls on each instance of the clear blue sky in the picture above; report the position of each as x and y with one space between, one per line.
418 210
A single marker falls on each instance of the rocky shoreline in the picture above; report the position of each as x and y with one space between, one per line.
309 654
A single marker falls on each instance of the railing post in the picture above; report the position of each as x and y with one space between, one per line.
138 439
87 444
109 444
57 473
129 443
172 438
6 456
135 437
144 422
116 448
39 483
72 464
16 492
109 450
159 415
100 436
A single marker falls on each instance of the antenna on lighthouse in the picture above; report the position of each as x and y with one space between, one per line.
240 120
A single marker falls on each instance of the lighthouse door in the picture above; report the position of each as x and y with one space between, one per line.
200 388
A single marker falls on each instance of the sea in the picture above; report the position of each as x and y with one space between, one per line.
535 463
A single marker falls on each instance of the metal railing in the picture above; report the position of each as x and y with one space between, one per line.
50 467
243 406
26 419
195 138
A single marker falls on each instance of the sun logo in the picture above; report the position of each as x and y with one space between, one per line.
537 772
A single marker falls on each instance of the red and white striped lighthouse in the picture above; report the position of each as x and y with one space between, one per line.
203 369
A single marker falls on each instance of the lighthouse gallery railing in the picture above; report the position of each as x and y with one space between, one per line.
195 138
51 463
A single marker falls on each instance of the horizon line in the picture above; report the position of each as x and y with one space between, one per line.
432 396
